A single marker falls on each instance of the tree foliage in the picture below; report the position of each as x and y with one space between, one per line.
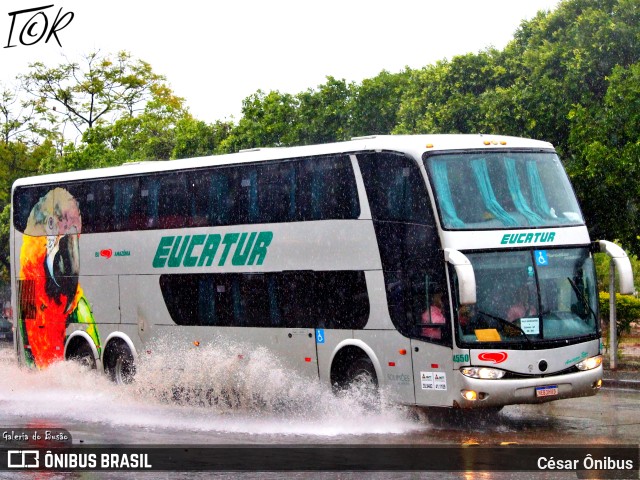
83 94
627 311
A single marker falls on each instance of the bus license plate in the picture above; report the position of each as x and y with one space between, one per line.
549 391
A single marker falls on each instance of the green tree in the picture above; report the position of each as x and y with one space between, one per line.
268 120
18 160
83 94
17 118
195 138
447 97
149 135
627 311
375 103
324 115
606 166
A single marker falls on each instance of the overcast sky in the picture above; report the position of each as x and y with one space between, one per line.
215 54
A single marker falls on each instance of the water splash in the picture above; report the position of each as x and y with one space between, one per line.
208 389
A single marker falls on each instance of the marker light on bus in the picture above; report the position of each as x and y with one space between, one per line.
484 373
469 395
590 363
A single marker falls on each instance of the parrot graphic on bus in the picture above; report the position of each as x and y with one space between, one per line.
51 296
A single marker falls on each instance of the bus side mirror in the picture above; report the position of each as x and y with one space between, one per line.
622 263
466 276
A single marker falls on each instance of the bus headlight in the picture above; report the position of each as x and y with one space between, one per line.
590 363
485 373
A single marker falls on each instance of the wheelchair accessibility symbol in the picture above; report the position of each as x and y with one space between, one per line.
541 258
319 335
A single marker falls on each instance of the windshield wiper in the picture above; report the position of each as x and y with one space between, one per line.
582 298
507 323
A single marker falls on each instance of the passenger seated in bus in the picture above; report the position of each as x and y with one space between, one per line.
521 307
434 315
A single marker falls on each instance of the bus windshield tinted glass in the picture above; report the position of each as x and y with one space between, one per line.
497 190
530 296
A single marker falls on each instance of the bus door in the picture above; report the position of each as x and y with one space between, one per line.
432 373
431 339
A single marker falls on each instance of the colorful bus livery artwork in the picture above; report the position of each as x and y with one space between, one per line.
50 294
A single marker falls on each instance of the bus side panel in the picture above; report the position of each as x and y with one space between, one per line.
260 351
294 347
98 307
378 308
141 304
433 374
388 346
103 297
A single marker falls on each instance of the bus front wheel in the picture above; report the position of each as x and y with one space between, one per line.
361 374
121 368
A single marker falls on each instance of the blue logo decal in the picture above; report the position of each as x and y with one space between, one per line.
541 258
320 335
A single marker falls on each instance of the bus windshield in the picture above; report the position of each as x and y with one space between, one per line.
497 190
529 297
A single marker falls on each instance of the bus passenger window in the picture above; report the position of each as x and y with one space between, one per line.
279 299
277 192
172 201
125 196
328 189
220 201
103 198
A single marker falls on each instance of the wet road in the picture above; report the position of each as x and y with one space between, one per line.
97 412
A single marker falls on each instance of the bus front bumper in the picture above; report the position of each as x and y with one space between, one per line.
494 393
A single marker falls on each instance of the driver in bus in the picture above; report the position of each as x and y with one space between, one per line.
467 315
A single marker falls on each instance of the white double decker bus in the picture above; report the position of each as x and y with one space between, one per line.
451 270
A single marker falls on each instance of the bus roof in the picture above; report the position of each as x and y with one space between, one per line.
414 145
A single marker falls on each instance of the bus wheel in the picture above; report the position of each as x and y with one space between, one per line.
84 356
361 375
122 368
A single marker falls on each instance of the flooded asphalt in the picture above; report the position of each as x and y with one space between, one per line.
226 402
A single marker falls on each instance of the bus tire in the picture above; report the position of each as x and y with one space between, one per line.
84 356
121 366
361 374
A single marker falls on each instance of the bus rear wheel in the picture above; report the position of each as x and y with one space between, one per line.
121 368
84 356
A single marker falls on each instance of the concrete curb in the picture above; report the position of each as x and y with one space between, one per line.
627 379
620 384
